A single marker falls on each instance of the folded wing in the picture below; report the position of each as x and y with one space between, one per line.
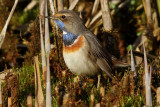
102 57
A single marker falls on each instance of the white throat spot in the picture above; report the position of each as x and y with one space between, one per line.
64 32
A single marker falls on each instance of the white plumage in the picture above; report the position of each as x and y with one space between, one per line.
79 62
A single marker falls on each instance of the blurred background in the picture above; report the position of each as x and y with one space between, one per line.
131 26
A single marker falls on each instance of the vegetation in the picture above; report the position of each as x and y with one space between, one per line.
131 26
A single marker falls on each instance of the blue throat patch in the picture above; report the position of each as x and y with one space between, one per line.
68 38
60 24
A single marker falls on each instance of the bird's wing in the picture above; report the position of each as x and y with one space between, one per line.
97 51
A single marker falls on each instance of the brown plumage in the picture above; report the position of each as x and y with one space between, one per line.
89 58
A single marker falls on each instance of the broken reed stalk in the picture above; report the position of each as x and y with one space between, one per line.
9 102
97 25
70 2
60 5
102 92
12 84
48 49
52 7
158 96
31 5
98 105
132 62
95 31
3 32
48 85
66 98
73 4
41 20
29 101
76 79
158 6
43 53
95 18
131 84
125 83
147 81
99 14
56 89
99 80
106 16
147 9
41 7
14 90
87 22
133 74
39 97
92 98
0 95
95 7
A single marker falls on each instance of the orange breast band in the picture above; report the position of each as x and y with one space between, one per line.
75 46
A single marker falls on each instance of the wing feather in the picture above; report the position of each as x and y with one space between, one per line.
103 58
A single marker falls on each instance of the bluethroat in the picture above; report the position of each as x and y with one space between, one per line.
82 51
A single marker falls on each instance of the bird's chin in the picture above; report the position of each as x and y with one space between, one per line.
60 24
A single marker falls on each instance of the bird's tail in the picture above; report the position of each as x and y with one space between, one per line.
118 63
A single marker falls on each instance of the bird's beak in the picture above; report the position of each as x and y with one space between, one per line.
54 17
49 17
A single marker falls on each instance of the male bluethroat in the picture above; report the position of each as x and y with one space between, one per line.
82 52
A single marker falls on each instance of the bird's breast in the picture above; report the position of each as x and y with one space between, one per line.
77 58
75 46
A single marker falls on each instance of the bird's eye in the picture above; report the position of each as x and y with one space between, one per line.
63 16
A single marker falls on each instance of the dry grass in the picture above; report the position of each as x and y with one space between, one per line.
130 27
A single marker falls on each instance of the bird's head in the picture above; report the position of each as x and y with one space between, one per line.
69 21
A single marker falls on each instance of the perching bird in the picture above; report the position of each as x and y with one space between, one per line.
82 52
